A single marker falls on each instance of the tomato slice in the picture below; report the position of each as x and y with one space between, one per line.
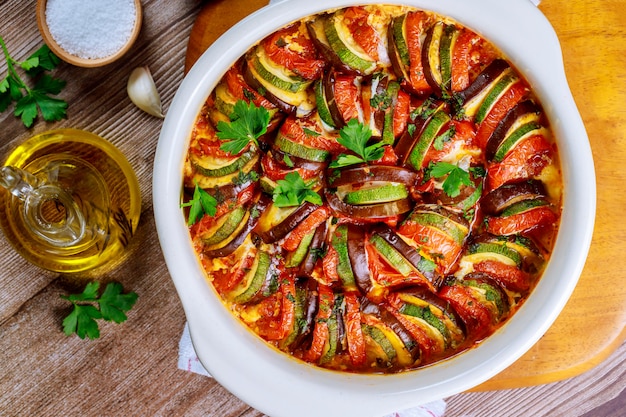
509 276
320 332
463 139
505 103
347 97
242 91
356 20
401 113
416 25
428 345
475 315
329 264
354 334
443 247
307 131
462 59
225 280
291 48
307 225
521 222
525 160
386 275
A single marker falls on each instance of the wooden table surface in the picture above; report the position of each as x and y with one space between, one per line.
131 369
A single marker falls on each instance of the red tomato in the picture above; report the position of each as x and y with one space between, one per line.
462 59
242 91
428 346
509 276
329 264
386 275
291 48
287 318
355 18
521 222
320 332
474 314
269 309
401 113
525 160
464 133
354 334
348 97
294 129
505 103
309 224
437 242
416 25
225 280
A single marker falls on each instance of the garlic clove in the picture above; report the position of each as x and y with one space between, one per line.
143 92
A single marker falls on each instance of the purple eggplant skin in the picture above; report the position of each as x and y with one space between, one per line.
251 80
409 252
358 258
386 173
232 246
283 228
490 73
499 133
433 299
499 199
315 251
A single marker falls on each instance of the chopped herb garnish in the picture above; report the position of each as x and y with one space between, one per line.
202 203
355 136
293 191
446 136
456 177
247 123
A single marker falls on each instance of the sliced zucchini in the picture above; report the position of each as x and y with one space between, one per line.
523 206
515 137
296 257
428 135
254 279
342 43
498 251
225 226
380 194
211 166
339 242
207 182
437 219
276 75
299 150
498 89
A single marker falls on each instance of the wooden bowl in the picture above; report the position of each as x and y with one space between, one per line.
78 60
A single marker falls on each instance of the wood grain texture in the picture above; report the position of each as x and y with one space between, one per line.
131 370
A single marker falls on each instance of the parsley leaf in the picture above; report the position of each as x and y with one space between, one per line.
355 136
113 306
201 203
456 177
32 100
293 191
247 124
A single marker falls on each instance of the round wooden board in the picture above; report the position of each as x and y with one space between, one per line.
592 324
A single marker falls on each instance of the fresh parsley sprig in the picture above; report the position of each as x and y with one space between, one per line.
89 307
293 191
355 136
456 176
200 204
247 123
29 101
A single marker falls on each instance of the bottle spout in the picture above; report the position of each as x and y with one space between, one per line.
49 211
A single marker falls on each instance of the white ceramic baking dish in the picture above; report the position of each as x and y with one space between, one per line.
271 381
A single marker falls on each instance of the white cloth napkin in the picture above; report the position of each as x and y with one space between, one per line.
188 361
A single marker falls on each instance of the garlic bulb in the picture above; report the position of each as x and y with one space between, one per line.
143 93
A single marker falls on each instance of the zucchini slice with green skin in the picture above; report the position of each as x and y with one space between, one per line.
474 95
230 223
210 182
448 41
427 137
299 150
523 206
431 58
279 77
382 341
480 251
382 194
391 255
339 242
499 88
296 257
441 218
341 42
323 109
210 167
489 292
254 280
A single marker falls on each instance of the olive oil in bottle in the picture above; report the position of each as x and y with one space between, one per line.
69 201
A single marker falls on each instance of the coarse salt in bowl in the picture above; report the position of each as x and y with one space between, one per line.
89 33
